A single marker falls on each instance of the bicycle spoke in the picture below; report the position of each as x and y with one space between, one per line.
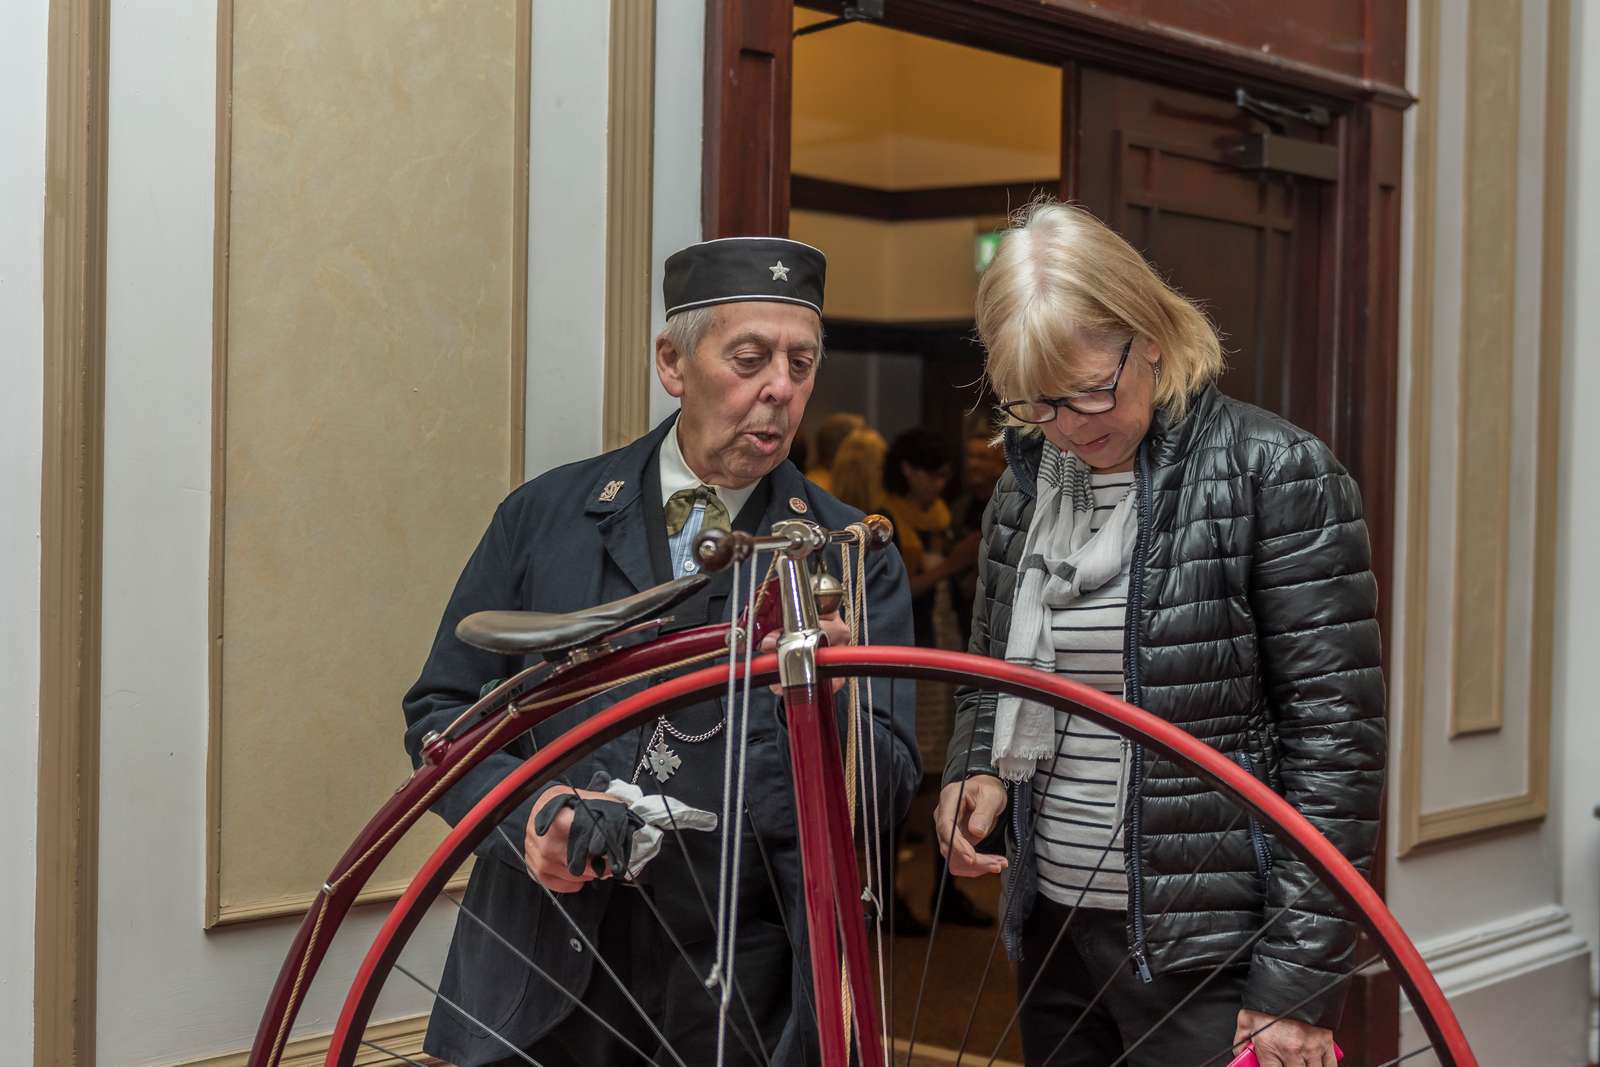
938 900
465 1014
577 1001
393 1055
759 1050
1061 934
1296 1006
1260 932
1024 851
1407 1056
1189 880
601 960
783 912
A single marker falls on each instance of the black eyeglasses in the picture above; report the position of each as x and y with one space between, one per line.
1096 401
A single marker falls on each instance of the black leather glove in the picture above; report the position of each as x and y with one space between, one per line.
602 831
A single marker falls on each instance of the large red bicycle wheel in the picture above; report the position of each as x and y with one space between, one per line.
1289 827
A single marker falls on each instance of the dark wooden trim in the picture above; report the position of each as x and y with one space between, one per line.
66 886
1053 31
926 338
748 83
902 205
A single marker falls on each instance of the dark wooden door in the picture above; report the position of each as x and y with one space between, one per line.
1156 163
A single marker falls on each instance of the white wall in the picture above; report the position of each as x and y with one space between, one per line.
1577 688
566 231
675 207
22 125
1491 914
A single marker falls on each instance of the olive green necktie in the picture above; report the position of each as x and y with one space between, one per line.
681 503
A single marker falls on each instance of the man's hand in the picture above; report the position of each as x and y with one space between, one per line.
1285 1043
838 632
981 800
546 854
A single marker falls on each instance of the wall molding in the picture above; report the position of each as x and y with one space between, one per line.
66 886
402 1036
825 195
1420 828
630 181
216 913
1501 951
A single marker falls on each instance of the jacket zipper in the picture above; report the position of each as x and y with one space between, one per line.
1135 863
1258 840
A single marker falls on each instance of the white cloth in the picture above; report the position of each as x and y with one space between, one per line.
1062 558
654 810
676 474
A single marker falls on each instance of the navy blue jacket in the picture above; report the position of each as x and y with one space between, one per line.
555 545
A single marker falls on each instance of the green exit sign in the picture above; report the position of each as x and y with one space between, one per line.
987 244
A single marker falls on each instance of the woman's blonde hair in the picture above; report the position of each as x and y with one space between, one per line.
1061 277
857 470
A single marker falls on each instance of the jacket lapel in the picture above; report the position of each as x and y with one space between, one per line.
616 503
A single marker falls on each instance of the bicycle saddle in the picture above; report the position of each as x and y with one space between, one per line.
516 633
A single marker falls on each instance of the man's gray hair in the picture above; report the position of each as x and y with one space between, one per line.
685 330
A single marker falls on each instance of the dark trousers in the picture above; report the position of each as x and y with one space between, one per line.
1094 950
672 993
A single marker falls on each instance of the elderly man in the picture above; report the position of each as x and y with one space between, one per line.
740 353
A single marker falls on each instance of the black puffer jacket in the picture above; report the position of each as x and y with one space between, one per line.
1252 625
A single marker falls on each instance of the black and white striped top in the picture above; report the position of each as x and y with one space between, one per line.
1077 793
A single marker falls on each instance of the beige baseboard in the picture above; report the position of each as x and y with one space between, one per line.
403 1036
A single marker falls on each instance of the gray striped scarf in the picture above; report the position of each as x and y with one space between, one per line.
1061 560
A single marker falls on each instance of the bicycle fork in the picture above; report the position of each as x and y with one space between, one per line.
832 886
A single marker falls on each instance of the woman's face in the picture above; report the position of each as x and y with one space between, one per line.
1110 440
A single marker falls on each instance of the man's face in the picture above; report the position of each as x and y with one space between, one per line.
744 390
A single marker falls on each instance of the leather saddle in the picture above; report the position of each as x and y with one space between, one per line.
519 633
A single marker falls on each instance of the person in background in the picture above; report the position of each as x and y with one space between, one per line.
983 461
830 435
856 471
915 474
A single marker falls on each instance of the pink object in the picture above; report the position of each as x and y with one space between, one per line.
1247 1058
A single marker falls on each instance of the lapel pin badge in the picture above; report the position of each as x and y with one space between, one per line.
609 493
797 505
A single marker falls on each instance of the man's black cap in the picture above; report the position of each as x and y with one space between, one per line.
732 269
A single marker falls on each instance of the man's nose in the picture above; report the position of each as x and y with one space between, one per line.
778 387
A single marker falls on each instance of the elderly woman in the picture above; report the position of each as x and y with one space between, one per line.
1207 561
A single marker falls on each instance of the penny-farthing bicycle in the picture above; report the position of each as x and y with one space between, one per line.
832 760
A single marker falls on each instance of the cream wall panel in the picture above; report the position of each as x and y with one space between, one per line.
22 176
371 383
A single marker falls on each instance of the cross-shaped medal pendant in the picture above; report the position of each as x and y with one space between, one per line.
663 761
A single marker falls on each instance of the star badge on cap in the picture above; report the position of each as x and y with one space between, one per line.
797 505
779 272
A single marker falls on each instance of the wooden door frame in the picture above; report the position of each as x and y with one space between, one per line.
1360 240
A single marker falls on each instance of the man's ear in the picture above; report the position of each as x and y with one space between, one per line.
669 366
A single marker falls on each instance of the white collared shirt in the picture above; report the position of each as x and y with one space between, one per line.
677 475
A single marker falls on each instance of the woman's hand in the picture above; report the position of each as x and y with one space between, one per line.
981 800
1285 1043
